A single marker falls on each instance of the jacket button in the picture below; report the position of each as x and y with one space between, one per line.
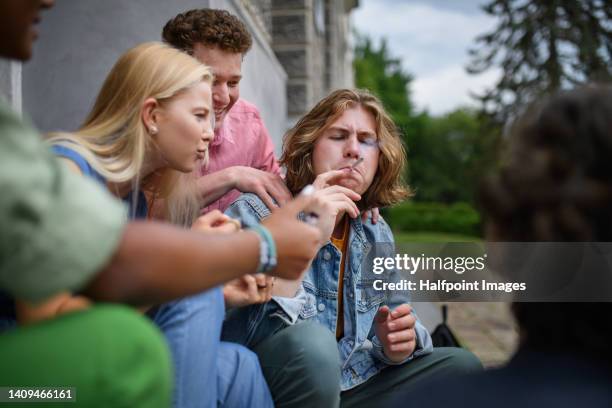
326 255
321 307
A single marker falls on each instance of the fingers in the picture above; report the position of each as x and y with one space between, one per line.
404 346
263 289
401 336
334 204
364 216
226 228
297 205
340 189
266 198
402 323
271 189
324 179
382 314
251 288
267 291
73 304
348 207
210 219
401 310
375 215
279 191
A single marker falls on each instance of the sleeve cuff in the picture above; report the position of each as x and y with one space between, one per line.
290 308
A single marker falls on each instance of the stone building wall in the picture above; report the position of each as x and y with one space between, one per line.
301 50
311 39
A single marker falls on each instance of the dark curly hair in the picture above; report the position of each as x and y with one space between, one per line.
556 185
210 27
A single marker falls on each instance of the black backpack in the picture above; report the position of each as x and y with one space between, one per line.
443 336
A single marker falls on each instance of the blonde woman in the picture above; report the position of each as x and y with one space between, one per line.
354 344
61 231
148 129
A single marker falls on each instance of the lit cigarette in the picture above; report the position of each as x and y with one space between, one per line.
359 160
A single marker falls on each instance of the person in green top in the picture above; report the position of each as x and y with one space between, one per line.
62 232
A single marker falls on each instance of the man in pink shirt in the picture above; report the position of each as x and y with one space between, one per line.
241 154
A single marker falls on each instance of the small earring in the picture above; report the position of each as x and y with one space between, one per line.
153 130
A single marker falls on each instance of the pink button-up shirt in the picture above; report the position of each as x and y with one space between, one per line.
242 140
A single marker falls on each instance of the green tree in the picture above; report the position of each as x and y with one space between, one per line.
384 76
541 47
446 155
449 154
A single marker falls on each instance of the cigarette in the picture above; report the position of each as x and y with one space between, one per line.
359 160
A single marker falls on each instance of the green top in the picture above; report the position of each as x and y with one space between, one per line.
57 228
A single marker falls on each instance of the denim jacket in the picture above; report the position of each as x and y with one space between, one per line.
361 353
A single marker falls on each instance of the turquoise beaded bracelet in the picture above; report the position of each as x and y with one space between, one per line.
267 249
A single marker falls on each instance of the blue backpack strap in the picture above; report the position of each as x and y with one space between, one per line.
74 156
141 211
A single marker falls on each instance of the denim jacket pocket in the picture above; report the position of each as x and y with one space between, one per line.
368 296
310 306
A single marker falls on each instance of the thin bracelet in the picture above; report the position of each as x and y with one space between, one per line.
267 258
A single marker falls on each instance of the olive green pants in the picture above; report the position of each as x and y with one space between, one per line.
302 367
111 356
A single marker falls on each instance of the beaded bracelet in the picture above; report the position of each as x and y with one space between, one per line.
267 249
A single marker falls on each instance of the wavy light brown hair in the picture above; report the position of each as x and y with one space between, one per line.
217 28
387 187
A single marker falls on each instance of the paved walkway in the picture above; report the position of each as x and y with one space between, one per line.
486 329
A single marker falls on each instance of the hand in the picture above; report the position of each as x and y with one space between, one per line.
268 186
332 201
373 212
248 290
330 204
296 242
217 222
73 304
395 330
52 307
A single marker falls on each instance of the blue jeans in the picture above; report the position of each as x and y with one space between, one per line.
208 372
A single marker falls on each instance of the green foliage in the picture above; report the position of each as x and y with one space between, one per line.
541 47
402 238
458 218
449 154
446 155
383 75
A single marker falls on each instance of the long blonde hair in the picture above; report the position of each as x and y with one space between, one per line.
114 139
388 187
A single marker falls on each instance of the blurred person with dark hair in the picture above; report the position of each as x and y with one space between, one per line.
554 185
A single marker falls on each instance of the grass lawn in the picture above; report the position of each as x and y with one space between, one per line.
415 237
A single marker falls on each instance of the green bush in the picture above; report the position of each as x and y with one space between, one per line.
459 218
